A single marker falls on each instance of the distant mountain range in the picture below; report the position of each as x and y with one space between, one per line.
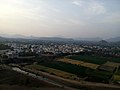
25 38
89 39
17 36
103 42
115 39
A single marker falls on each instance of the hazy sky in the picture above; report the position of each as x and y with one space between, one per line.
67 18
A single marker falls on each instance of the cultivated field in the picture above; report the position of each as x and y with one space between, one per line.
116 77
52 71
86 67
79 63
94 59
66 67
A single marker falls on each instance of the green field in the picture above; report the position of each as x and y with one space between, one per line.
95 59
74 69
117 78
117 75
95 75
100 76
52 71
118 72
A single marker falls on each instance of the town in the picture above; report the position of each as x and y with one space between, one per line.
59 44
75 60
14 50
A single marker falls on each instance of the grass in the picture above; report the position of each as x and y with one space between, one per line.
99 75
96 75
79 63
70 68
95 59
118 72
52 71
116 77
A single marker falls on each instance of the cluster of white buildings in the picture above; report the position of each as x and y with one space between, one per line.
53 48
42 48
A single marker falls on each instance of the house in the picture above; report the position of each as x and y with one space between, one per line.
12 54
3 51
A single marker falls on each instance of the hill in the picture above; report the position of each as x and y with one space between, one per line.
89 39
115 39
103 42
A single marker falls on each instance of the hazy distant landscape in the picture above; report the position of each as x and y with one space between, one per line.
59 44
61 60
18 37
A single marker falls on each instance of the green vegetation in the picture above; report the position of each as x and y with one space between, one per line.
29 53
99 75
79 63
74 69
118 72
81 71
95 59
52 71
116 77
4 47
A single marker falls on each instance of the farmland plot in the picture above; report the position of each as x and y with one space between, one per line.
67 67
79 63
52 71
95 59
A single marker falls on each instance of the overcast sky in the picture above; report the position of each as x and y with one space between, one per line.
65 18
